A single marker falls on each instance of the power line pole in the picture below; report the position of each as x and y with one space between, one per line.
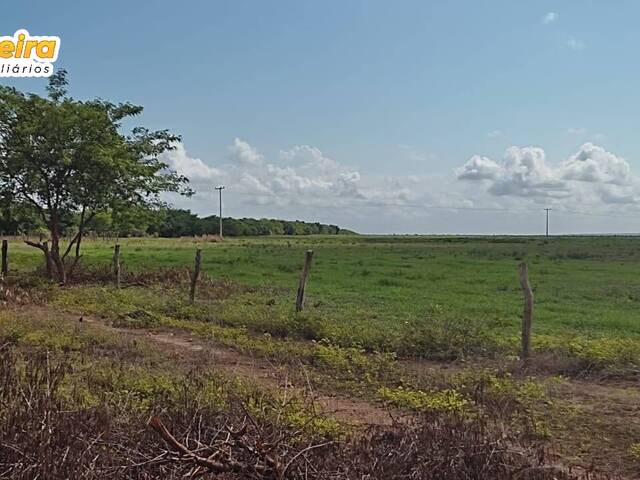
547 210
220 188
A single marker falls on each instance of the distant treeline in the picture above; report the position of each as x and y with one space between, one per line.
181 223
167 222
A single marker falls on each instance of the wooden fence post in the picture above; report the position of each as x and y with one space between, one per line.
194 276
5 257
303 280
527 316
116 264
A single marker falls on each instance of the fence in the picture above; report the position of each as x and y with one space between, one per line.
527 315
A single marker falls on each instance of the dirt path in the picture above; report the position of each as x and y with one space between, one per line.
186 347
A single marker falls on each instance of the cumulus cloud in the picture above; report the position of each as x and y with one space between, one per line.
244 154
550 17
301 172
592 163
479 168
191 167
305 182
590 174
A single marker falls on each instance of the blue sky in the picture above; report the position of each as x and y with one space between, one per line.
369 113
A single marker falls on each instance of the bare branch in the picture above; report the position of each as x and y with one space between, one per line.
212 465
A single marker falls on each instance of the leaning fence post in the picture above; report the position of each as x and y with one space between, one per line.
194 275
303 280
5 257
527 316
116 264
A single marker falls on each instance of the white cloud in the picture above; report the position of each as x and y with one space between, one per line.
243 153
575 44
191 167
525 173
302 178
576 131
550 18
479 168
613 194
302 171
590 174
494 134
592 163
304 182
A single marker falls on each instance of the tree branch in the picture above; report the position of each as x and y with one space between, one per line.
76 238
36 244
176 446
70 246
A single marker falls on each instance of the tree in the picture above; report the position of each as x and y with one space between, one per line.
68 159
180 223
17 217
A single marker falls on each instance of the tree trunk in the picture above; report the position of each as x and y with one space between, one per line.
61 273
47 259
195 275
5 257
80 233
78 242
116 264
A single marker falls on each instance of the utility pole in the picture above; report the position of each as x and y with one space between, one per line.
220 188
547 210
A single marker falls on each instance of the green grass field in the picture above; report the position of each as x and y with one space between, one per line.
404 293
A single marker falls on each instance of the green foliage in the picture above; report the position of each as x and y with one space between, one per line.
606 353
525 402
136 319
444 336
63 157
183 223
443 401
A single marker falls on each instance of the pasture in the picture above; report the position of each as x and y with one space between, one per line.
409 325
373 291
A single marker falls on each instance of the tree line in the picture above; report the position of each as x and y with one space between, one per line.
178 223
20 219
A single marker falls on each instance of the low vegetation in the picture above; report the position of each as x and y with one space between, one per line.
426 328
77 403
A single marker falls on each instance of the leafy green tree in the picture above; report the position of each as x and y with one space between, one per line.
180 223
100 224
68 159
132 221
17 217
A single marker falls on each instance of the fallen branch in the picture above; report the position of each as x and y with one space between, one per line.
212 465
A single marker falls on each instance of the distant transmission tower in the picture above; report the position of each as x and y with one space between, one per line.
547 210
220 188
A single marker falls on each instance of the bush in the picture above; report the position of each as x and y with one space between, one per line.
447 338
